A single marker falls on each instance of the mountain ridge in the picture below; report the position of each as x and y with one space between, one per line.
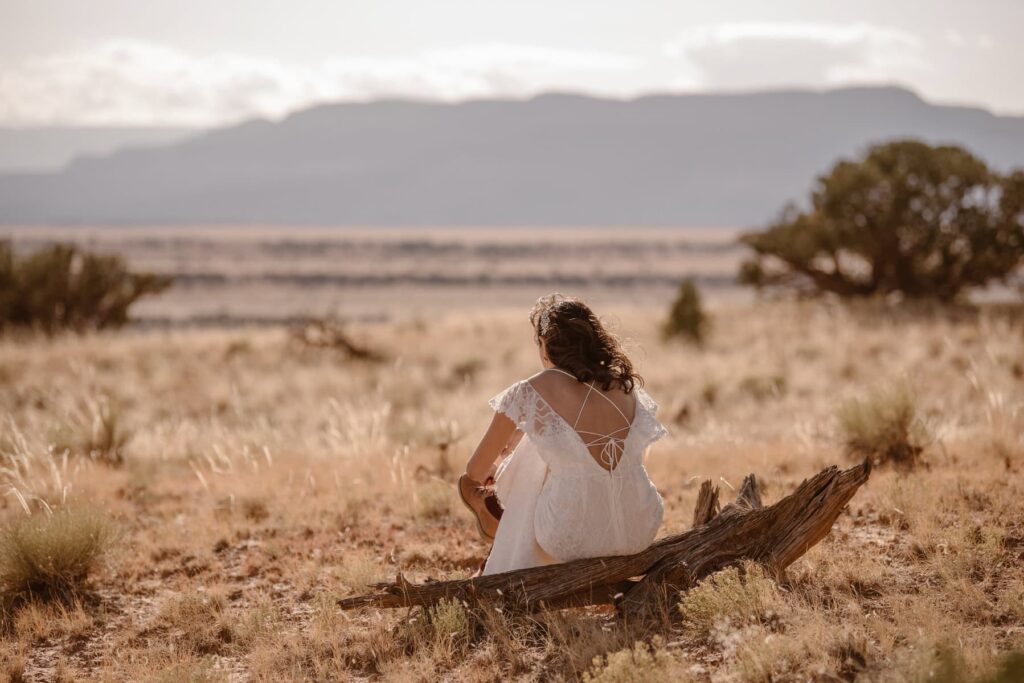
552 159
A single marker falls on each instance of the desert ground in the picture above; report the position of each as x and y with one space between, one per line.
246 481
227 276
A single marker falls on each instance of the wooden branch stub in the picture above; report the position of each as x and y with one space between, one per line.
775 536
707 504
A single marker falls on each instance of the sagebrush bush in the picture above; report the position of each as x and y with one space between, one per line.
50 555
735 597
62 287
640 664
686 317
884 426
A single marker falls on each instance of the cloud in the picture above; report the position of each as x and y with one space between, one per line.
130 82
760 54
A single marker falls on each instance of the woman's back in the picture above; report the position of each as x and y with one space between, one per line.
602 419
596 498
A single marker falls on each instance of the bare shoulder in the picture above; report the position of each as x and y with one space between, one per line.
551 382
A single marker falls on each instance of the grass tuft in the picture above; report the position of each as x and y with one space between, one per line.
450 630
884 426
96 431
200 622
50 555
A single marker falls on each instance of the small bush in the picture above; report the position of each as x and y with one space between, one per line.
61 287
884 426
686 317
740 596
640 664
51 555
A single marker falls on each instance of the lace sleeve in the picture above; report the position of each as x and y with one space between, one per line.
653 428
512 403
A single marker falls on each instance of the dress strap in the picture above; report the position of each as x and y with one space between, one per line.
569 374
582 406
589 392
613 405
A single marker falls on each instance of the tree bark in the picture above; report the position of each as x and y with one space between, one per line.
638 584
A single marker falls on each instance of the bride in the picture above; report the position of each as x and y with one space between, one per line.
572 483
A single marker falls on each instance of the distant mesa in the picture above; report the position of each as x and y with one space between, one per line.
688 160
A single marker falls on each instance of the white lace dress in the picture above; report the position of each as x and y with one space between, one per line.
560 504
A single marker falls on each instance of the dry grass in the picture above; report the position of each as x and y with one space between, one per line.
50 555
260 481
884 426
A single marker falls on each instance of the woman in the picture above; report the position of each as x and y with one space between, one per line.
574 484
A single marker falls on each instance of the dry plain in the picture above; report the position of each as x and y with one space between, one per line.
258 479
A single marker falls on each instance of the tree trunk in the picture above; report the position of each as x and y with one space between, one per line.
637 584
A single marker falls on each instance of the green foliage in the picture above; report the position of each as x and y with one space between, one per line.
884 426
61 287
686 318
922 221
49 555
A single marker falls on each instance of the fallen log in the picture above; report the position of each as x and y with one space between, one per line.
745 529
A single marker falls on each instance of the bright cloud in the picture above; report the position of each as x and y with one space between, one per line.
138 83
756 54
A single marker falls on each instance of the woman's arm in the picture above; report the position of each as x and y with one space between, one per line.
492 445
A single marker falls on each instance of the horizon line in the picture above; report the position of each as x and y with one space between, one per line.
559 92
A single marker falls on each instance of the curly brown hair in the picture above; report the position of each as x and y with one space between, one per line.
578 342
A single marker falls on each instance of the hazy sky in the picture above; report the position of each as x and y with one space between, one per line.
204 62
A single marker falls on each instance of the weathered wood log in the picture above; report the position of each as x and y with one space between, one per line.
707 504
774 536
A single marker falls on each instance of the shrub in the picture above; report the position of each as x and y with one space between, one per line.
927 222
736 597
686 317
50 555
884 426
61 287
639 664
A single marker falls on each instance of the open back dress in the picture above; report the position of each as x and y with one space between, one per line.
560 503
